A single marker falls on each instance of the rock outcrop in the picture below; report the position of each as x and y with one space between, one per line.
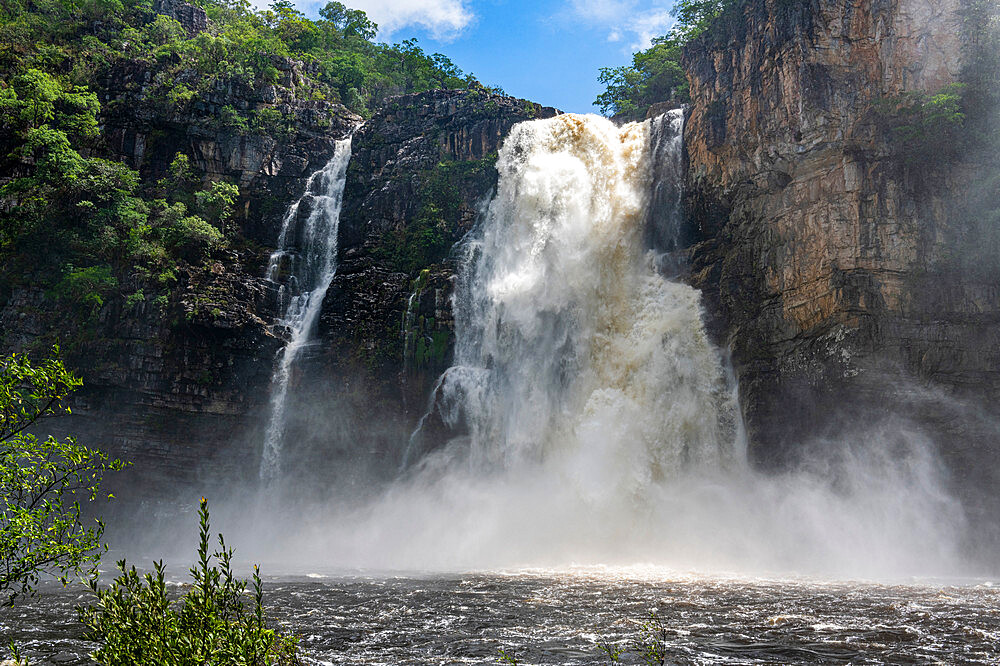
192 18
831 265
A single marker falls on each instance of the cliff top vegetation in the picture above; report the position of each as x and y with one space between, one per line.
79 41
656 74
84 226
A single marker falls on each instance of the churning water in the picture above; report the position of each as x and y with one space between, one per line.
561 617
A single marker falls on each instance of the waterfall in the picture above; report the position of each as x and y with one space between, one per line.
665 228
592 420
571 347
303 265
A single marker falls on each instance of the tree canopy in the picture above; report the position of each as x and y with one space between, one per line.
655 74
86 227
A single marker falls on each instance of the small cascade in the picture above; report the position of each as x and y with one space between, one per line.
304 266
665 232
406 330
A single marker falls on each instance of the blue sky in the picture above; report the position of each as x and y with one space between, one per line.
548 51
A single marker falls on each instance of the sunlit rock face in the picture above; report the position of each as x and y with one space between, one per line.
837 271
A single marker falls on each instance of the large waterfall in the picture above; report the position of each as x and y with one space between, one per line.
594 422
304 265
573 352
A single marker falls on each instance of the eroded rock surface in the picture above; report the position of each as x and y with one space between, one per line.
831 267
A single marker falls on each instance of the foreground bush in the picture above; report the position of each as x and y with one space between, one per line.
44 482
136 623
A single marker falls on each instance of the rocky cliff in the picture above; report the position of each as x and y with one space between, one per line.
171 381
178 382
835 261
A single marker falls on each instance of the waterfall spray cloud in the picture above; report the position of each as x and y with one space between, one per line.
601 427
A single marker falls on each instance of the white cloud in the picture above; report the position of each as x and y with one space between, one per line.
444 19
645 26
601 11
634 22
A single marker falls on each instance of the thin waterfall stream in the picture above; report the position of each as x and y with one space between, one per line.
304 265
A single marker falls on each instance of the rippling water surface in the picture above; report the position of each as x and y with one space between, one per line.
546 617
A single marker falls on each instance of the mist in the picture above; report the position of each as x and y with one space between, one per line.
592 422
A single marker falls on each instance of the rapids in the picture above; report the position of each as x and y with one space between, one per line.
561 617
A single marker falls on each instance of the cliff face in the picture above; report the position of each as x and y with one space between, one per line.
172 382
831 264
179 385
268 165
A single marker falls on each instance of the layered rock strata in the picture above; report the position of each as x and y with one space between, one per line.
177 383
832 266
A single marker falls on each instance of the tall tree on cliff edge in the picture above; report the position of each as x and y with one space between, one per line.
655 74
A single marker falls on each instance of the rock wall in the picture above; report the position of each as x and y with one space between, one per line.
830 264
144 132
178 385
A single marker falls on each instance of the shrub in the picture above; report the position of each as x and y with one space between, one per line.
187 236
44 481
926 129
85 287
135 622
649 648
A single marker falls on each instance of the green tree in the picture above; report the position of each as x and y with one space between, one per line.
655 74
35 99
44 482
696 16
134 620
350 22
